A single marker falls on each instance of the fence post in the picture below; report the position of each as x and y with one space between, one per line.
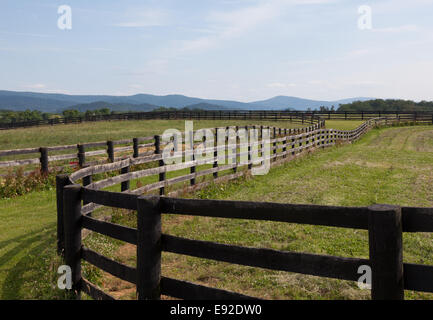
160 163
215 154
44 160
149 248
235 150
125 184
62 180
81 155
72 225
135 147
285 146
386 252
86 181
110 150
248 135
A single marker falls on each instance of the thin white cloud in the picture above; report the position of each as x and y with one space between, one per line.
280 85
145 18
398 29
38 35
36 86
225 25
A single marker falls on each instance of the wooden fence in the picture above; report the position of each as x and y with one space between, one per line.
295 116
81 155
385 224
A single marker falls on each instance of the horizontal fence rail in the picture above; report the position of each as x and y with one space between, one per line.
385 223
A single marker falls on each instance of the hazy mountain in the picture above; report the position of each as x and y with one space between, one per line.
53 102
180 101
206 106
20 103
122 107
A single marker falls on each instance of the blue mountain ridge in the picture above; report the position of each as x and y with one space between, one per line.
55 102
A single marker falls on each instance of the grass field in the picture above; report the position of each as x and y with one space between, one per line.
342 124
110 130
387 166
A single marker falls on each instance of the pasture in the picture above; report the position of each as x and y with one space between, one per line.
88 132
390 165
111 130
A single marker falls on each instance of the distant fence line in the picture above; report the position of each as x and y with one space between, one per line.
148 143
301 116
384 223
171 115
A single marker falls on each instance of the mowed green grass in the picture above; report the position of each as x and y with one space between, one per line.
28 261
343 124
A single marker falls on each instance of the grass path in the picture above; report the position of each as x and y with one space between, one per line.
27 247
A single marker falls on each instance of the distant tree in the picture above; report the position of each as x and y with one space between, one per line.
71 113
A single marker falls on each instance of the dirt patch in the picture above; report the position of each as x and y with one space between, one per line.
360 163
118 288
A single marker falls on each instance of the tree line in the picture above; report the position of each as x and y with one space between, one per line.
9 116
387 105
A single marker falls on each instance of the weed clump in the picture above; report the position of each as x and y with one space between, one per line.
16 183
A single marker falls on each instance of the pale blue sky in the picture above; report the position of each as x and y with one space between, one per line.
229 49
